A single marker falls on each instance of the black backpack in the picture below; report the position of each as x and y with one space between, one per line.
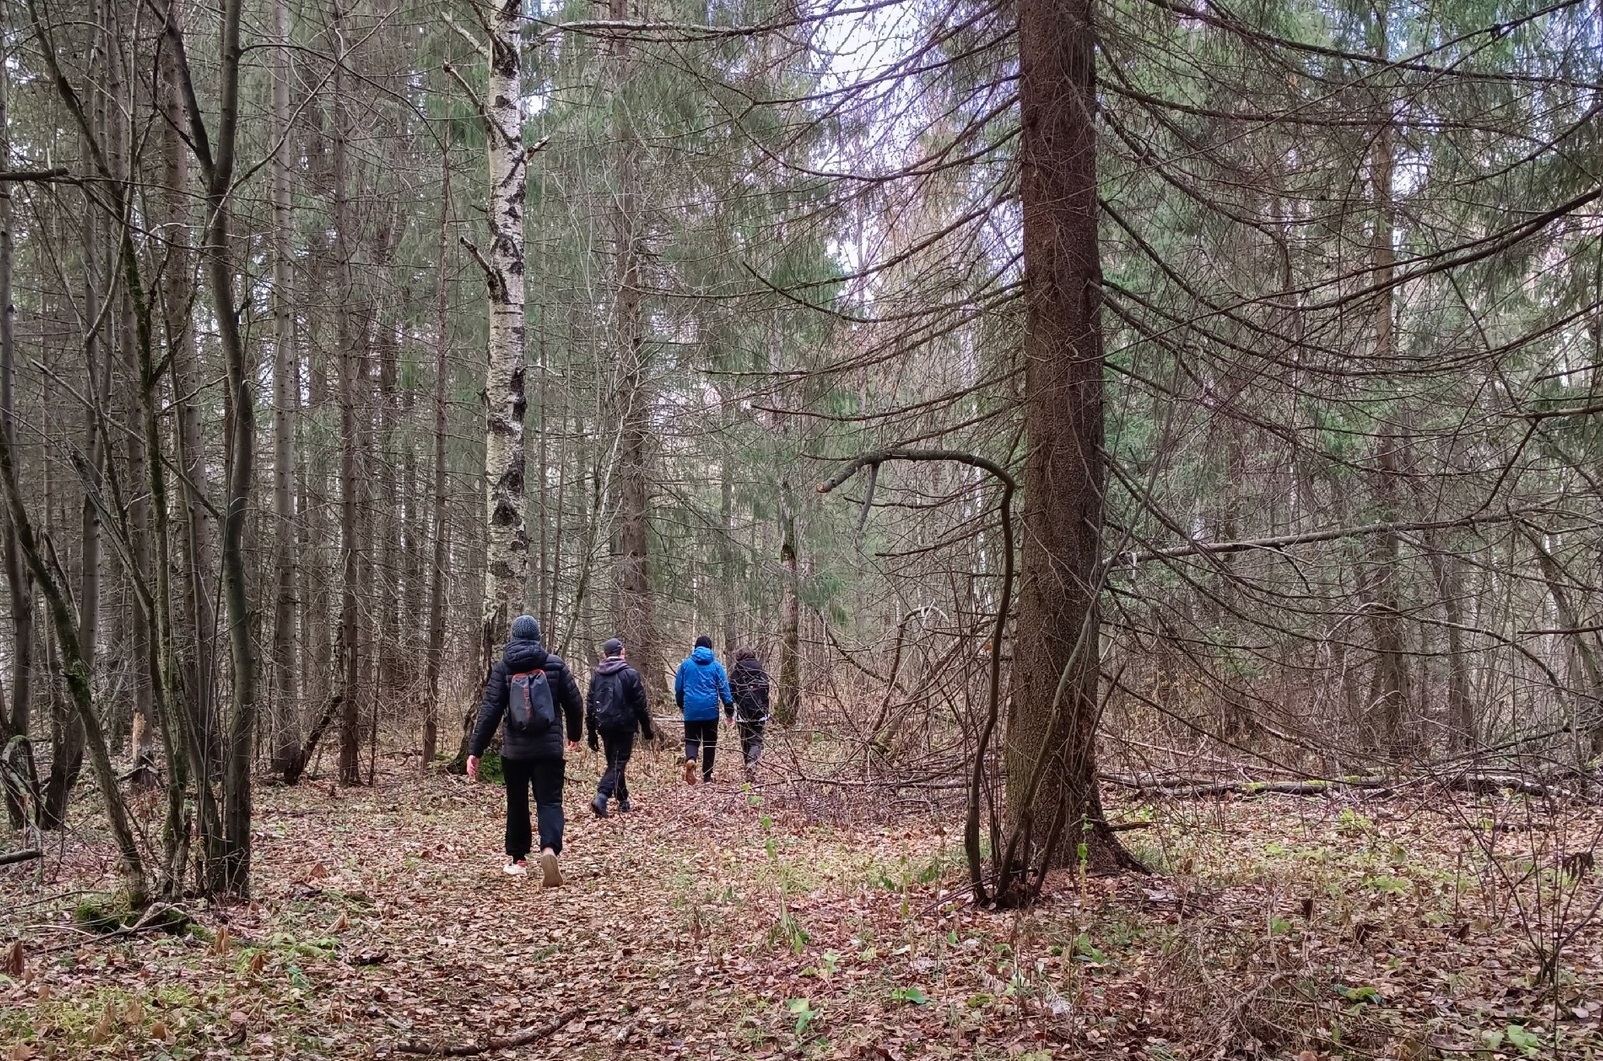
530 709
607 703
751 693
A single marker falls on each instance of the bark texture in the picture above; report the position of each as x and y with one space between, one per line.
506 538
1050 758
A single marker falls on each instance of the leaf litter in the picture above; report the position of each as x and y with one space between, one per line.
723 922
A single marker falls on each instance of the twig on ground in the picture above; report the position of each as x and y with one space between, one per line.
494 1042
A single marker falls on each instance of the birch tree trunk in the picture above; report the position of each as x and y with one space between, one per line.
506 537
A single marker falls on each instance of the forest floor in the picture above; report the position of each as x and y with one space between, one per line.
722 921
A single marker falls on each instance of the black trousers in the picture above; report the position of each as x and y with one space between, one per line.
545 777
751 743
618 747
701 742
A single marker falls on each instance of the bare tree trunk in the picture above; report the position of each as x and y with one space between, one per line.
787 707
76 666
1585 643
215 151
130 333
1463 732
633 610
442 369
17 716
732 595
194 638
77 673
349 336
66 742
1393 681
285 721
1050 757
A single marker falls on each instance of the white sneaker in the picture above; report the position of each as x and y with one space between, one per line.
515 867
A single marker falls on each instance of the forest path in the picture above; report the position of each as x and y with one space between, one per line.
687 927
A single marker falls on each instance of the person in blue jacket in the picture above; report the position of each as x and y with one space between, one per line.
699 688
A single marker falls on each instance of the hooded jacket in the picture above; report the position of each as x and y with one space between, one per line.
520 657
749 682
700 686
614 681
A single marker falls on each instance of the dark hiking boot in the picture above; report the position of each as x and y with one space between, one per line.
599 805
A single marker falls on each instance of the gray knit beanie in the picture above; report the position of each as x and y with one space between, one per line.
525 628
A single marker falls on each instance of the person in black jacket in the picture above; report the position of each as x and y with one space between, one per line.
749 684
615 709
530 756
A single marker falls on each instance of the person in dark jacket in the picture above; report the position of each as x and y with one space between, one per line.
615 710
749 684
699 687
530 759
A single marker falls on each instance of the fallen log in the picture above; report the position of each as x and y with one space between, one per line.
493 1042
1262 788
1481 783
20 856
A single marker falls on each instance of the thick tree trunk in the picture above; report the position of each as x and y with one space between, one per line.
285 720
1050 758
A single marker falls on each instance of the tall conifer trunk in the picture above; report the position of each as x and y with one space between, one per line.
284 723
1050 757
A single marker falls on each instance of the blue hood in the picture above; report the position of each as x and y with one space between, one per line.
701 686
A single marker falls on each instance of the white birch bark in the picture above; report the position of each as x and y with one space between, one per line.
506 537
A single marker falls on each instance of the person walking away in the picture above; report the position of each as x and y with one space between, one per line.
699 688
615 709
749 684
527 686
